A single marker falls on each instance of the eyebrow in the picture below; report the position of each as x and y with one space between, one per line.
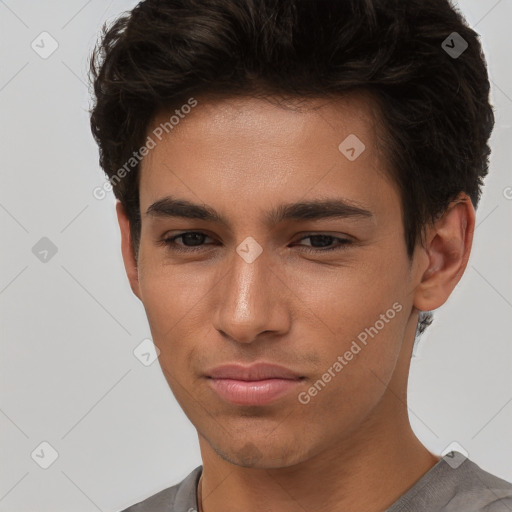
303 210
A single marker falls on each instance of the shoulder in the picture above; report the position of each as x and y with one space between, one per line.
480 491
456 484
181 496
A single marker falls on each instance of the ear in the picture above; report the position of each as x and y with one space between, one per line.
447 248
130 263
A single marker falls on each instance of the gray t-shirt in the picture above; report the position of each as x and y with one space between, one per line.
454 484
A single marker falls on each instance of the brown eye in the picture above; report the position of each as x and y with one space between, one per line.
321 242
192 241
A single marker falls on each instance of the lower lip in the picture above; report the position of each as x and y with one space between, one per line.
256 392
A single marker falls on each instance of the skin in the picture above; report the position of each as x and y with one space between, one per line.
351 447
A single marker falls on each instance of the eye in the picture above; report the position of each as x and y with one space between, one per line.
324 240
195 238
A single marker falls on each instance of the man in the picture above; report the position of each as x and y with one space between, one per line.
296 185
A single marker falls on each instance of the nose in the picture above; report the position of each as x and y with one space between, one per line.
250 301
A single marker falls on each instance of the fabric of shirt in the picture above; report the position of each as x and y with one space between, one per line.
454 484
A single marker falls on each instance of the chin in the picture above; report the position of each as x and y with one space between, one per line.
261 454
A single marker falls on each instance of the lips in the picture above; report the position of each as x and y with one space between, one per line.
258 384
258 371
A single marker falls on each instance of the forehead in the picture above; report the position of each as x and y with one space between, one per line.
271 119
254 149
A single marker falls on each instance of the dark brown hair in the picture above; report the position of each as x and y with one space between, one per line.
434 105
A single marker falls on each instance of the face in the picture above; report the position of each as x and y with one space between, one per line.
324 292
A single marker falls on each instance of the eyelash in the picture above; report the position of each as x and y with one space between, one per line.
171 244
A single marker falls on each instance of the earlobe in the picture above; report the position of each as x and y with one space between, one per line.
130 263
447 246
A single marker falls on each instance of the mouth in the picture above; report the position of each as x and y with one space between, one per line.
258 384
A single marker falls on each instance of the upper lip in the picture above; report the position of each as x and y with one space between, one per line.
257 371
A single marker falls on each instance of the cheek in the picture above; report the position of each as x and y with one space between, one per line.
175 298
347 298
355 372
171 294
360 317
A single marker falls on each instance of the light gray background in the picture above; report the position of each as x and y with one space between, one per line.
69 326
